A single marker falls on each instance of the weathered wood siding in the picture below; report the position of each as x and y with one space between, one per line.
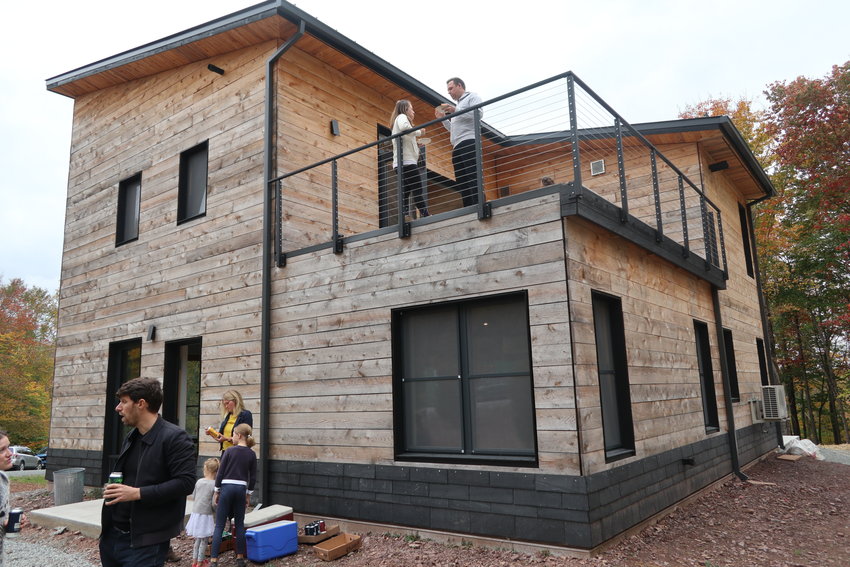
331 353
198 279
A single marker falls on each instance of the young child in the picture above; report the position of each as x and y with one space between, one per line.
202 521
233 486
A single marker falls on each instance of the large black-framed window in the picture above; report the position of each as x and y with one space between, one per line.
612 365
729 346
192 193
463 389
706 377
129 205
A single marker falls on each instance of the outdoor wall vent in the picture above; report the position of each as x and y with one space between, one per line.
757 410
597 167
773 400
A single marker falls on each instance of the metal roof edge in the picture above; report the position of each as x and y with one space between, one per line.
248 15
208 29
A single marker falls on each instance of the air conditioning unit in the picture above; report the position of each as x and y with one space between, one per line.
597 167
773 403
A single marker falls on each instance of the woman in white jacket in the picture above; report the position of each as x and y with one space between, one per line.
401 119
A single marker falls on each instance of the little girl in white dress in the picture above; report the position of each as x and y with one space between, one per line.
202 521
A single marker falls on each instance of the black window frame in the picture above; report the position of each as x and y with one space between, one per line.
746 237
732 367
613 376
705 367
129 210
762 355
463 338
193 182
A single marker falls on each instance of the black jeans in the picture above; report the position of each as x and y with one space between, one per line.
413 186
466 180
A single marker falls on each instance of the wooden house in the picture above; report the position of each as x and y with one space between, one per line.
555 364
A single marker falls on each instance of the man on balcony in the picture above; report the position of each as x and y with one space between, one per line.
462 130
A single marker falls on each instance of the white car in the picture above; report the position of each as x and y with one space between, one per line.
24 458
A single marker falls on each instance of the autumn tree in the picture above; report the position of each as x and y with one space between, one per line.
27 336
803 140
810 121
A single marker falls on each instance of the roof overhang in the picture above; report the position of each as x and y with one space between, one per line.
721 141
275 20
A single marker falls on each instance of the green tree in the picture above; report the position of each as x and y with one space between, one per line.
27 336
810 122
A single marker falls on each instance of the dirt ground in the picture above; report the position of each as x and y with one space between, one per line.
789 514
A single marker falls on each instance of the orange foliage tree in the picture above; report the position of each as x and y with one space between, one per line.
27 336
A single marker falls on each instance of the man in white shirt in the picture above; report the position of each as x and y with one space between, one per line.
462 130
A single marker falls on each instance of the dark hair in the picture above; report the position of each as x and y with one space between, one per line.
3 433
457 81
148 389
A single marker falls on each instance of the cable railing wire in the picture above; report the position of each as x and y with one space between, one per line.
526 143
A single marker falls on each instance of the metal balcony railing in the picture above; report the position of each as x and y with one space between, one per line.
554 132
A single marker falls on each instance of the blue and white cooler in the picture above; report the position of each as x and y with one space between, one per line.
271 540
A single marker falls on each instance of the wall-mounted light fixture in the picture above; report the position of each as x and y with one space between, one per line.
719 166
151 332
335 127
215 69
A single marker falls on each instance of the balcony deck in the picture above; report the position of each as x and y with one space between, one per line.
555 135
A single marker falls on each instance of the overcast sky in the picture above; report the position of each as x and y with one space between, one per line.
649 59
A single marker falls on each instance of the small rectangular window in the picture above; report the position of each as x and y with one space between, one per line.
729 346
129 204
612 365
463 389
706 377
192 194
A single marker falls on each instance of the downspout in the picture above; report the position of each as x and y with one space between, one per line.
268 228
727 396
765 324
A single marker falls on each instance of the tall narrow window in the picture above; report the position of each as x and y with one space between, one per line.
129 203
706 377
615 399
746 236
463 387
765 380
192 194
729 346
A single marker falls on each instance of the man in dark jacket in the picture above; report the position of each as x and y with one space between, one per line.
157 461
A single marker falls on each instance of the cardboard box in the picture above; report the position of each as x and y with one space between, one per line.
271 540
338 546
329 532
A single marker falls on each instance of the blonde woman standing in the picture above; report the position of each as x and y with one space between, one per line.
233 413
401 119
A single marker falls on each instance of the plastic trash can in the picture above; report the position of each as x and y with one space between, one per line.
68 486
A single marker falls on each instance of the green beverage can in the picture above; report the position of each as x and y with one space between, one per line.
116 478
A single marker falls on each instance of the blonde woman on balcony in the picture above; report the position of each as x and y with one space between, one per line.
402 119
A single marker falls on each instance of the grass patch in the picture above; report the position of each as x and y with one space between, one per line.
33 479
